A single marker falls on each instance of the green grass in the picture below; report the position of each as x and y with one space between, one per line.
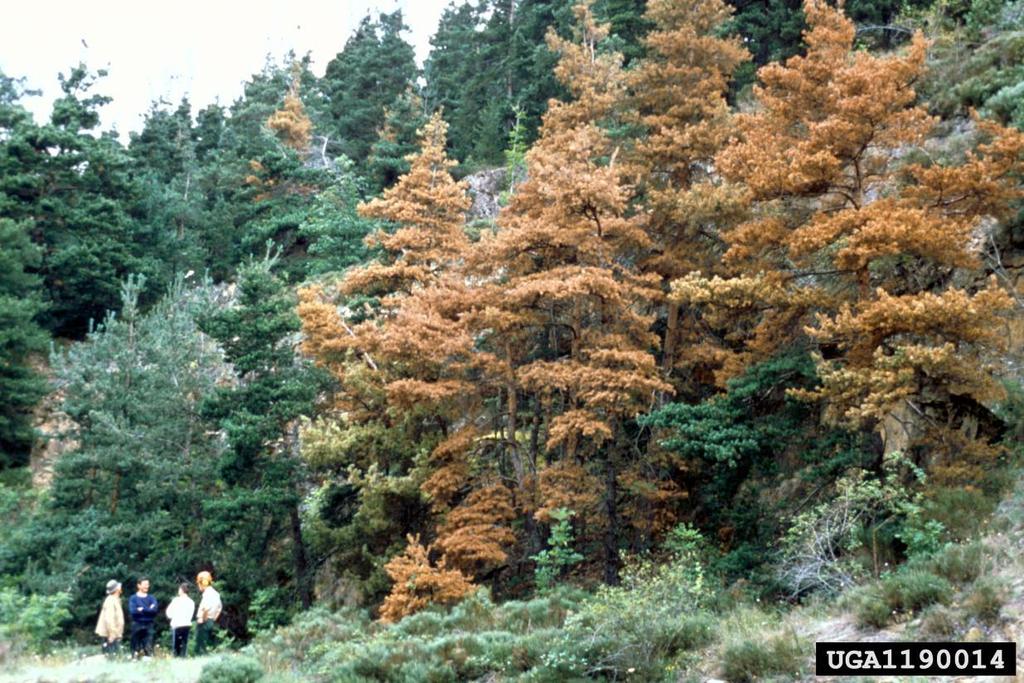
67 668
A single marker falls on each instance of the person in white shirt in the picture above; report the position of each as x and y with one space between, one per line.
180 613
209 610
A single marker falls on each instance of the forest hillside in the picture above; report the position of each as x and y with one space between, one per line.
648 340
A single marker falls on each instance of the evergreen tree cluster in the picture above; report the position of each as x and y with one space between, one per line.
287 358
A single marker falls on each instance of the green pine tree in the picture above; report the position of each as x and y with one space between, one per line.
74 189
376 67
21 386
128 500
258 416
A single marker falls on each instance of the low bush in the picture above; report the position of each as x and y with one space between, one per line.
474 639
751 659
913 590
870 608
959 563
961 510
643 629
308 636
233 669
986 598
906 591
30 623
939 622
635 628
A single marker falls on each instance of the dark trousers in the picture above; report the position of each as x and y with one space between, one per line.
142 639
111 647
181 641
204 636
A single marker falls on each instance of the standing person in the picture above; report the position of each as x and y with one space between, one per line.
110 625
143 607
180 613
209 610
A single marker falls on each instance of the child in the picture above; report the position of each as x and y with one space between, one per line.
180 613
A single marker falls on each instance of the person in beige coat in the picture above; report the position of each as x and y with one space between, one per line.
110 625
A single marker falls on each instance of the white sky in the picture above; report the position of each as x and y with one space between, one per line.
202 48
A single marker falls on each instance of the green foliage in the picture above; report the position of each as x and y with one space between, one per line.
977 60
235 669
268 609
388 157
753 659
29 623
333 228
309 635
128 499
772 29
742 425
744 443
259 466
985 599
21 386
376 67
515 156
474 639
959 563
939 622
216 190
962 511
905 591
818 549
636 627
72 188
559 557
1011 412
456 75
628 26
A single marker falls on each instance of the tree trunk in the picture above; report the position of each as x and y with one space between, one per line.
611 546
672 325
302 583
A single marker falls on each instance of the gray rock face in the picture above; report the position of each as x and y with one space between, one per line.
485 187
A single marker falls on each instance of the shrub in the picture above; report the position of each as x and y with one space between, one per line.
938 622
269 608
754 659
30 622
311 632
636 627
819 547
234 669
986 599
560 556
913 590
960 563
960 510
905 591
472 640
871 608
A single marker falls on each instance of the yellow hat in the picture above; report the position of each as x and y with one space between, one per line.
204 578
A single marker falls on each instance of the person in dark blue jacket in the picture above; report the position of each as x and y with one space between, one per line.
143 609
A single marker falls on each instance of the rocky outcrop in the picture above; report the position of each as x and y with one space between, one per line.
485 187
55 429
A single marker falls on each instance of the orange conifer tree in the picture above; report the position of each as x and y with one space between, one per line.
418 583
855 247
408 367
562 312
290 122
427 209
678 91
